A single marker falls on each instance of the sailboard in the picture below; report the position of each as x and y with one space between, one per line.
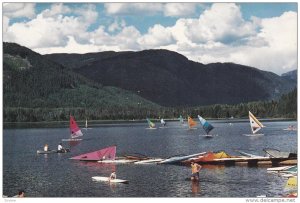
206 126
255 125
75 131
108 153
151 124
191 123
107 179
86 125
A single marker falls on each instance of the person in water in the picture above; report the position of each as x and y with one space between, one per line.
113 176
21 193
195 170
60 148
46 148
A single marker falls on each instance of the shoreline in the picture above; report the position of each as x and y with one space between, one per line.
104 123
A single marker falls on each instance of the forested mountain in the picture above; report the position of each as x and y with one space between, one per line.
36 88
170 79
30 80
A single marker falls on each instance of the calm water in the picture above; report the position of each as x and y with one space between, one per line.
54 175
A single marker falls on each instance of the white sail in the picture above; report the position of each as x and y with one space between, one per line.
254 123
86 124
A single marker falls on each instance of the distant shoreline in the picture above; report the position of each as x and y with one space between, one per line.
96 123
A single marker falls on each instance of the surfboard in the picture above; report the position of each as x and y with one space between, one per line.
149 161
46 152
120 161
106 179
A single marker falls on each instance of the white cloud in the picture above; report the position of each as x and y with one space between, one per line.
116 25
157 36
56 9
18 10
133 8
52 28
220 34
179 9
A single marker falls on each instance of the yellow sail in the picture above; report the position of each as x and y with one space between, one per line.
254 123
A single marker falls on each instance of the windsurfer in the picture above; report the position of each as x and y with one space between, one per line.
113 176
60 148
46 148
195 170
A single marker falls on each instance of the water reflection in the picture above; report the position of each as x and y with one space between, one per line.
195 188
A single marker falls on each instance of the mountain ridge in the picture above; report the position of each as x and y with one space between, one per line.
170 79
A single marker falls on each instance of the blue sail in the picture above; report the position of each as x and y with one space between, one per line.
206 126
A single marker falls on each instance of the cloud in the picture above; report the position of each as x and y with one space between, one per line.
117 25
218 34
157 36
51 28
133 8
179 9
19 10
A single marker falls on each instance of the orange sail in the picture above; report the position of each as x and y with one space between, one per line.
191 122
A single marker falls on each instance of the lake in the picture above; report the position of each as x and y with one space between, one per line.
55 175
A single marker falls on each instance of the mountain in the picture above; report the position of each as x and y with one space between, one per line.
170 79
291 75
31 80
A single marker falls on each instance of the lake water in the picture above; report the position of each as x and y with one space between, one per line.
55 175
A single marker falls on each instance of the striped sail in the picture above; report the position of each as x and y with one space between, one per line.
150 123
254 123
191 122
206 126
74 129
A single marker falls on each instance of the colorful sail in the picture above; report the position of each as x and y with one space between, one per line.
206 126
191 122
74 129
254 123
108 153
150 123
181 119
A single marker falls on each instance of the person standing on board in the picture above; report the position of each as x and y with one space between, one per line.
113 176
46 148
195 170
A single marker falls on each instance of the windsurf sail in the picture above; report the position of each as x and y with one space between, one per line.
181 119
191 122
254 123
150 123
206 126
108 153
74 129
86 124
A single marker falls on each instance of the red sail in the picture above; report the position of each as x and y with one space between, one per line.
108 153
74 129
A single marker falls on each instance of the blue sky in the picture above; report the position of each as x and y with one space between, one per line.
203 32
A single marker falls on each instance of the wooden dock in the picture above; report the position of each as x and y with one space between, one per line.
251 161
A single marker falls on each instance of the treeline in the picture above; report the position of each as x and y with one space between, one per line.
285 107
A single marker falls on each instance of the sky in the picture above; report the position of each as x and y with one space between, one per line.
261 35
